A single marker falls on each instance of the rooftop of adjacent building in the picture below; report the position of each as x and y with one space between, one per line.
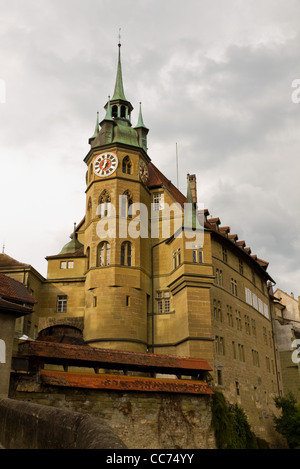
14 296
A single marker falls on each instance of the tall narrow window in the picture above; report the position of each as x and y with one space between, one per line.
114 111
178 256
126 254
126 205
197 255
224 254
87 253
2 351
103 254
123 112
104 207
174 260
233 287
126 165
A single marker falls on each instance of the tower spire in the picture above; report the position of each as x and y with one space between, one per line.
91 139
140 122
119 89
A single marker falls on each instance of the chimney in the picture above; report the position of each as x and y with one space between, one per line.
193 184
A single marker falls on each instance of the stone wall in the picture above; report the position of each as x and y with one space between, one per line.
25 425
142 420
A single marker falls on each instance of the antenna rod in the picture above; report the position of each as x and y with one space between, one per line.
177 166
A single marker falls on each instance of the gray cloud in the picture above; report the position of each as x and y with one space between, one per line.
213 76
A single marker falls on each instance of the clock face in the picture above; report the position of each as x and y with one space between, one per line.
105 164
143 172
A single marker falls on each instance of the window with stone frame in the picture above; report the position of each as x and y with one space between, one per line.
126 253
103 254
126 165
104 205
61 303
158 201
197 255
234 287
126 205
220 345
163 301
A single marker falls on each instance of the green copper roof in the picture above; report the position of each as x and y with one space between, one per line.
125 134
119 89
96 127
72 246
140 122
108 116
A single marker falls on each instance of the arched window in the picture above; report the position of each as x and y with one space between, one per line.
126 253
104 207
123 111
126 165
114 111
176 258
103 254
126 205
87 258
2 351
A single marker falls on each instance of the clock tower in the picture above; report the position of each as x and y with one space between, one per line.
118 274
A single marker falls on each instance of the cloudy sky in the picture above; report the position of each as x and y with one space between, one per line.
215 77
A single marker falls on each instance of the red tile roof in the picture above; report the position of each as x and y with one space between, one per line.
15 292
157 179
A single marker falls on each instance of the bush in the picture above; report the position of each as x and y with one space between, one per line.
288 424
231 427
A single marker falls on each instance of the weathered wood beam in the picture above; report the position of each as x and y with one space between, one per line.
123 383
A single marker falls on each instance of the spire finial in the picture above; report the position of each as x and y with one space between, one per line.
119 37
3 248
119 89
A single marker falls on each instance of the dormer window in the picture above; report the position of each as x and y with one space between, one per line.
158 201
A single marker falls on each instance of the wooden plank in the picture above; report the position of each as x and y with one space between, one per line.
123 383
86 355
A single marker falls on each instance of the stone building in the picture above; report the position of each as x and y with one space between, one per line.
288 337
131 279
15 302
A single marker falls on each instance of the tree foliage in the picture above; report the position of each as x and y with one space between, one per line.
231 427
288 424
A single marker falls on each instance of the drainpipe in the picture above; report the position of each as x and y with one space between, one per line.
274 336
152 314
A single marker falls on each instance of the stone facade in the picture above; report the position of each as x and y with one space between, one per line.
288 333
153 292
141 420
